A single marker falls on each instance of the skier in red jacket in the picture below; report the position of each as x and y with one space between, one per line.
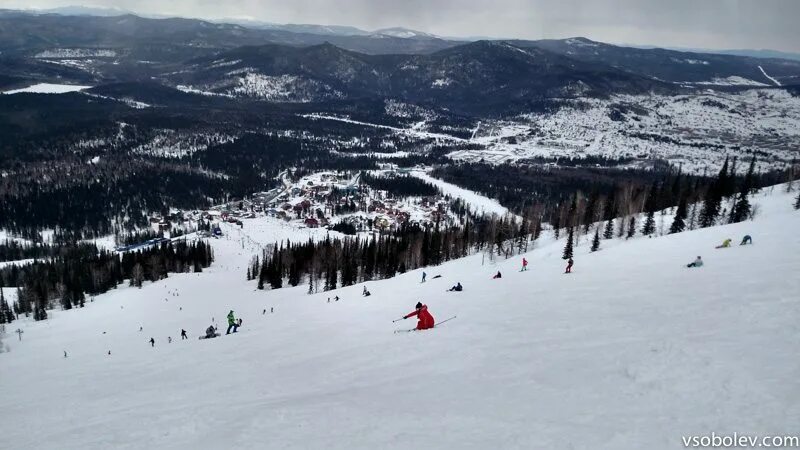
425 318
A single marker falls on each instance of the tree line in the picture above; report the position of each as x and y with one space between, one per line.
79 270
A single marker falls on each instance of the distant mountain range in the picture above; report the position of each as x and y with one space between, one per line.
344 30
313 63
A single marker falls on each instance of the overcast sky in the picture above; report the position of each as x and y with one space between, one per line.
715 24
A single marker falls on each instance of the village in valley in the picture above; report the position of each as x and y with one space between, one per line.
334 200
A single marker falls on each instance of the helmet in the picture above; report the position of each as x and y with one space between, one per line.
419 305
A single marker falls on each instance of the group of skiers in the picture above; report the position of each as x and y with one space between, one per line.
698 262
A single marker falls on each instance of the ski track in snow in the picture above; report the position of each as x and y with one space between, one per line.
777 83
630 351
477 202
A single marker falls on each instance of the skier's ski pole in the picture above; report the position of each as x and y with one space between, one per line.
398 320
445 320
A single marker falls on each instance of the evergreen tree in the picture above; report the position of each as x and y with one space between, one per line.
650 207
557 225
631 227
590 211
609 213
6 315
596 240
741 209
713 200
679 223
568 246
797 202
609 231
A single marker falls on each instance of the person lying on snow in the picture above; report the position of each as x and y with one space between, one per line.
725 244
425 319
696 263
497 275
457 288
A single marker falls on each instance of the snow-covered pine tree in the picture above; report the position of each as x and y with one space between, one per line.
741 209
6 315
609 231
678 223
596 240
568 246
797 202
713 200
650 207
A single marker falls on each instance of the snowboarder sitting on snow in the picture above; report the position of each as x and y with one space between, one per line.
211 332
569 266
497 275
457 288
696 263
725 244
232 323
366 293
425 318
746 240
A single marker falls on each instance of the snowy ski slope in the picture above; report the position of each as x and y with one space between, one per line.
631 351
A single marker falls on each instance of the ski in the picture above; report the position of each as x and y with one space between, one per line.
445 320
434 326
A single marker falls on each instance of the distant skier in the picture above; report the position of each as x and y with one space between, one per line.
152 342
424 276
366 293
231 323
497 275
725 244
65 353
746 240
696 263
524 265
456 288
425 319
570 263
336 298
183 334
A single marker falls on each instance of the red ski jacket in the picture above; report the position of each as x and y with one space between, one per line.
425 318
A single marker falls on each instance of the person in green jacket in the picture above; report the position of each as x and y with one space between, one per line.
231 323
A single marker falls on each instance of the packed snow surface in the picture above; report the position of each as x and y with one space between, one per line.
630 351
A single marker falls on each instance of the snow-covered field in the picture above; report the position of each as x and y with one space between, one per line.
631 351
48 88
